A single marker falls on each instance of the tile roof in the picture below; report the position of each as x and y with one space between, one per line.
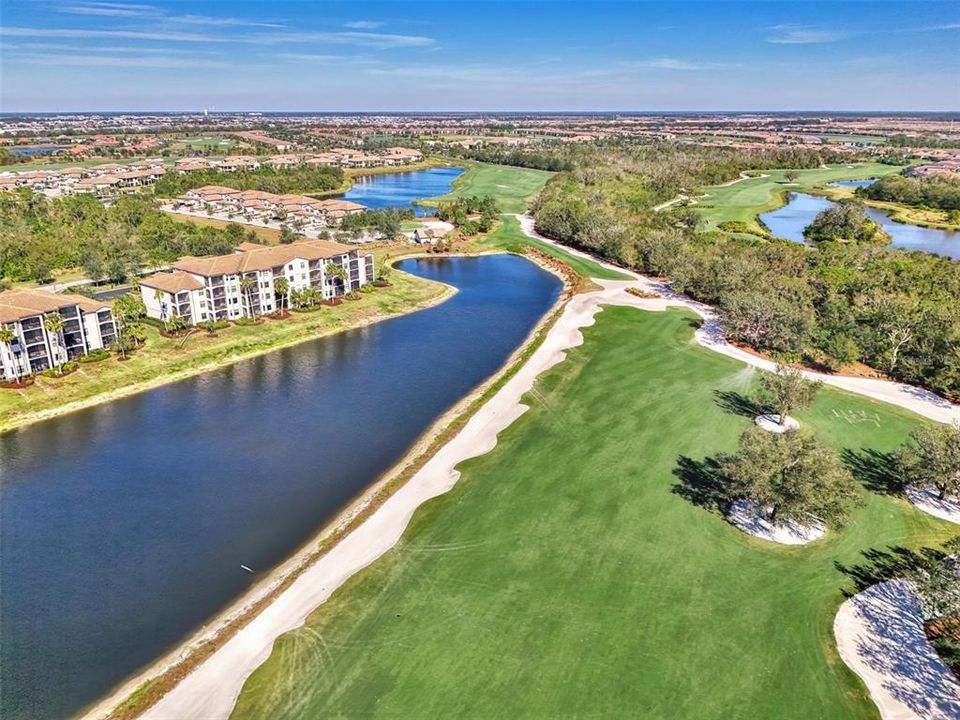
172 282
262 257
18 304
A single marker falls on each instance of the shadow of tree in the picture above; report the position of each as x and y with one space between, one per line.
738 404
882 565
702 483
878 471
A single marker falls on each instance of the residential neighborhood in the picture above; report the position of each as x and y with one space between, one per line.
244 283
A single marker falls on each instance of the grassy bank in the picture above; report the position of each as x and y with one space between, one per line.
508 237
744 200
164 360
511 187
565 575
898 212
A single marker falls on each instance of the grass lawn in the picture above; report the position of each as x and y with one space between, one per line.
511 186
164 357
510 238
746 199
564 577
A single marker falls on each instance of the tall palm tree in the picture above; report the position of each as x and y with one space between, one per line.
7 336
53 324
246 285
281 287
158 296
332 270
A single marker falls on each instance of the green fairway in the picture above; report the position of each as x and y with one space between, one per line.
564 576
746 199
509 237
511 186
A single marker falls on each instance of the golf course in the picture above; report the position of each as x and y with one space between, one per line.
744 199
581 568
510 186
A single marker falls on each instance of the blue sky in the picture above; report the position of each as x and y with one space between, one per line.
58 55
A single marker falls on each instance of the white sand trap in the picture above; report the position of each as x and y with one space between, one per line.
880 637
928 501
745 515
771 423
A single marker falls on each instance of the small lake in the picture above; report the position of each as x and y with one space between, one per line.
124 526
402 188
789 221
853 183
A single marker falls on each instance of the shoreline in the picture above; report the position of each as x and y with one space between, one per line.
251 604
210 690
161 380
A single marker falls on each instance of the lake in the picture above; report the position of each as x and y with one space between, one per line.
124 526
402 188
789 221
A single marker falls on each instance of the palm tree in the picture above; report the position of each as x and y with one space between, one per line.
246 285
281 287
158 296
332 270
53 324
7 336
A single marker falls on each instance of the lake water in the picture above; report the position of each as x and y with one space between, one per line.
789 221
124 526
401 189
854 183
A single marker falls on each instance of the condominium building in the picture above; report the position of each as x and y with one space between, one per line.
227 287
87 325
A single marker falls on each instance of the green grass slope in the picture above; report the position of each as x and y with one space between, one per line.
512 187
564 576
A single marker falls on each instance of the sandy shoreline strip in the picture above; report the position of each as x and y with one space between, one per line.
210 691
880 637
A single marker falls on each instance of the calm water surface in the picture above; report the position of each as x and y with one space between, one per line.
123 527
401 189
789 221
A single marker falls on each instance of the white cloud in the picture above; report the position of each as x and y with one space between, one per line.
79 33
59 60
379 41
364 24
667 63
803 35
131 10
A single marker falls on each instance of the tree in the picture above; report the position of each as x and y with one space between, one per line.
791 176
787 389
932 459
247 283
845 221
281 287
938 584
7 336
288 235
53 324
793 476
128 311
176 324
337 274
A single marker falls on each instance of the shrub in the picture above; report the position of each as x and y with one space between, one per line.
94 356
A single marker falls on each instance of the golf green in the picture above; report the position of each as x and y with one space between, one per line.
510 186
569 574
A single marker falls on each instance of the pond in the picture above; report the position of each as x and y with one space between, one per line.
402 188
124 527
789 221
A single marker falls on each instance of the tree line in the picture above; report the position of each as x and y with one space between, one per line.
300 179
835 304
41 235
933 191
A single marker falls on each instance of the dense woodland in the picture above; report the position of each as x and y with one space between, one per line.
39 235
835 304
300 179
933 192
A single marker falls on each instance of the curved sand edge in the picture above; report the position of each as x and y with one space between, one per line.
929 503
879 634
710 335
211 690
771 423
744 515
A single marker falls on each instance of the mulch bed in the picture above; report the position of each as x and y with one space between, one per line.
13 385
